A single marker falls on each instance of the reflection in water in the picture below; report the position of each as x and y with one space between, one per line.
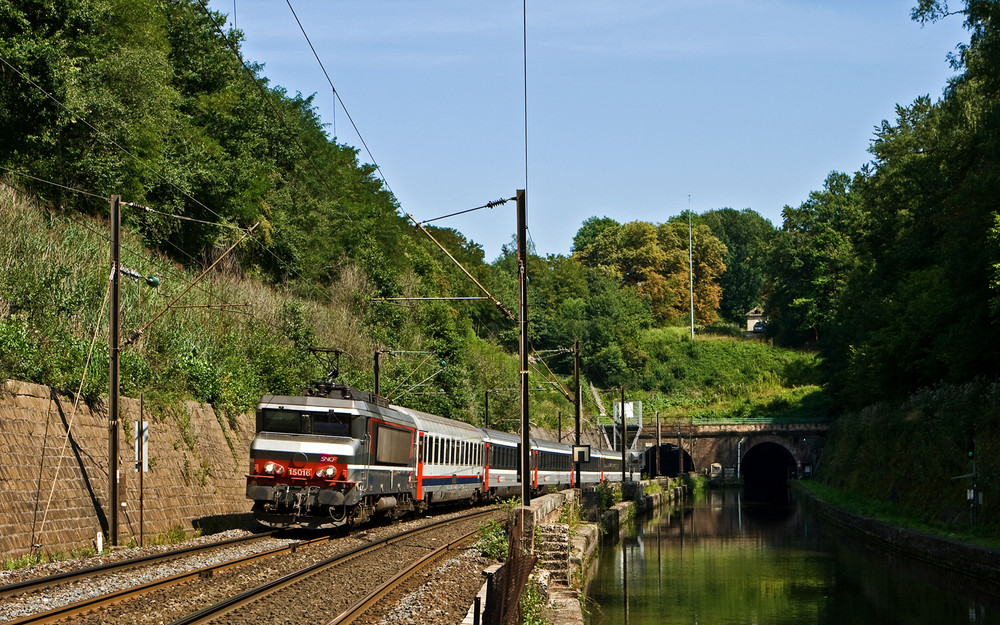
726 561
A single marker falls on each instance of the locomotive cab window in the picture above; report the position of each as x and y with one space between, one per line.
303 422
331 423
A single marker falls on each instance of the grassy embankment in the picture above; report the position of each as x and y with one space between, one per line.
723 375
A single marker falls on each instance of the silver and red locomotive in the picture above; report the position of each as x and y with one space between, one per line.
341 456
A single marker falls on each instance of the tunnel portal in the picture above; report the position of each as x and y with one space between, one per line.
765 469
668 461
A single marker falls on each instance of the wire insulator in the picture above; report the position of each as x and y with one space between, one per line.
495 203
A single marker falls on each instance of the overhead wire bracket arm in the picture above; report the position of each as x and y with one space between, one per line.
492 204
495 301
426 299
138 333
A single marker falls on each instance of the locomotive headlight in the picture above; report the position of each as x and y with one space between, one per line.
273 468
327 472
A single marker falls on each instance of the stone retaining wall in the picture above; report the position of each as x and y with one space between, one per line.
54 470
965 558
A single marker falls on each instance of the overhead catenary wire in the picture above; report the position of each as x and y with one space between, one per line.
54 184
395 397
336 95
409 375
123 149
181 217
106 137
495 301
378 169
150 168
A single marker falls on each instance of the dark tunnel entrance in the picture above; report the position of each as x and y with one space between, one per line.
667 462
765 469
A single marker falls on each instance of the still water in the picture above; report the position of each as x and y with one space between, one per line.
724 561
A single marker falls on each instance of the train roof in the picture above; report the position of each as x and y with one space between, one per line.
507 439
439 425
307 402
545 445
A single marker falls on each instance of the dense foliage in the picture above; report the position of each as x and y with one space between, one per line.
895 272
930 438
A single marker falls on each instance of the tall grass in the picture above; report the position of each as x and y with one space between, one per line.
53 279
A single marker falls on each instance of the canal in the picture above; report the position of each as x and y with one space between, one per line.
723 561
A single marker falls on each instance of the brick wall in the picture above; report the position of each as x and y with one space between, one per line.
54 487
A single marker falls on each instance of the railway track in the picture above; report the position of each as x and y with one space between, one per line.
221 583
49 581
240 608
356 611
50 585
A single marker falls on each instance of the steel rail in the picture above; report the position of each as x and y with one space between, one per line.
94 603
357 610
41 583
234 603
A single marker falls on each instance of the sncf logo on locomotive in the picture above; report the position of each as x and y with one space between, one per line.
324 458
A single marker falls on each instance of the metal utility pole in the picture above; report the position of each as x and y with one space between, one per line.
522 283
691 266
114 343
659 441
486 412
576 399
624 444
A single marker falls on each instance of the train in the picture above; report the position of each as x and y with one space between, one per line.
338 456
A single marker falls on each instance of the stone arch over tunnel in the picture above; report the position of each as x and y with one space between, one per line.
765 469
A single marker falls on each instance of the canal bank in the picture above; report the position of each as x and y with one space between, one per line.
972 560
567 527
584 539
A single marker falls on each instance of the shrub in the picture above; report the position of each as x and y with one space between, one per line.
493 542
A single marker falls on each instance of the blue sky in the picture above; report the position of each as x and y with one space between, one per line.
632 105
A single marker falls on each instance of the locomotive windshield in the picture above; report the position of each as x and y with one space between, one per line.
303 422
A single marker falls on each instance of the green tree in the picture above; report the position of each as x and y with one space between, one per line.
810 260
746 236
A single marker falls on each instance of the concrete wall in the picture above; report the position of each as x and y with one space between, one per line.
54 470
